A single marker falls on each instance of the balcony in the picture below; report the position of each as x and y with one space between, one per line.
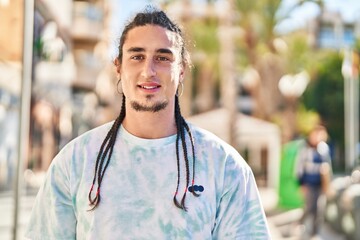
87 22
87 69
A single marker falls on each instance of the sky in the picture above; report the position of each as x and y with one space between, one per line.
349 9
123 10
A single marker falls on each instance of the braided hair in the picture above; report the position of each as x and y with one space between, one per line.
150 16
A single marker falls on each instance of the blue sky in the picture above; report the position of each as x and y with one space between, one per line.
122 11
349 9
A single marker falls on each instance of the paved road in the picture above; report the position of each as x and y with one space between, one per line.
284 225
7 217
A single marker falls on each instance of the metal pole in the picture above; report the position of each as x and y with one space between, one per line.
356 106
347 122
25 97
356 120
351 112
352 144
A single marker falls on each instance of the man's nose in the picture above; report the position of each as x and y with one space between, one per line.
148 68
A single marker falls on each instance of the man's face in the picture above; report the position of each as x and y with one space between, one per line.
151 68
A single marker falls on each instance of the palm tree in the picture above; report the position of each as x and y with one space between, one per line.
258 49
206 64
229 88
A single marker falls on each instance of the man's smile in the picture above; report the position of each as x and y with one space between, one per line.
151 86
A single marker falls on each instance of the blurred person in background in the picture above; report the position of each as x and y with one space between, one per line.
313 170
149 174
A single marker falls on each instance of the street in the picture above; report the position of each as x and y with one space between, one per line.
285 225
6 210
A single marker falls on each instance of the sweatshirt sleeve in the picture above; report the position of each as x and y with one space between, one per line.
240 214
53 215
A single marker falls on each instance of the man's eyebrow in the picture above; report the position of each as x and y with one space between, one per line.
136 49
164 50
140 49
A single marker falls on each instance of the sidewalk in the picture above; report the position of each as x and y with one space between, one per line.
283 224
7 218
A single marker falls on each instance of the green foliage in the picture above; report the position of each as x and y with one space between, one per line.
306 120
325 95
246 6
39 49
299 55
269 9
205 36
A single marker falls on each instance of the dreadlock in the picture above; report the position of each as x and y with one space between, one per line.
150 16
106 148
182 126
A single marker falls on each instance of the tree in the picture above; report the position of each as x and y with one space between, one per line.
325 95
206 62
256 49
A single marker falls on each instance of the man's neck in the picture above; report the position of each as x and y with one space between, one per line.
150 125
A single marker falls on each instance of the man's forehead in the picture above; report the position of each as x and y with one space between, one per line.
151 37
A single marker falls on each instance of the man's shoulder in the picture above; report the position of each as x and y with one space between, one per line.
101 129
207 139
205 135
223 155
88 142
96 134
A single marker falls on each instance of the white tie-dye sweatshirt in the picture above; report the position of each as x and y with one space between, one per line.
138 188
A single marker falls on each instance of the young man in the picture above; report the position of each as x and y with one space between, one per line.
149 174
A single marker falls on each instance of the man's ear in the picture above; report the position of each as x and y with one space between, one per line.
118 67
182 72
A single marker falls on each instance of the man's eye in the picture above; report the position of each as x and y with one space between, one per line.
162 59
137 57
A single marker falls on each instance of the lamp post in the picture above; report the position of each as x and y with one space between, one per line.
350 73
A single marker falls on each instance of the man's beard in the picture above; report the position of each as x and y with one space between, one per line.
155 107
